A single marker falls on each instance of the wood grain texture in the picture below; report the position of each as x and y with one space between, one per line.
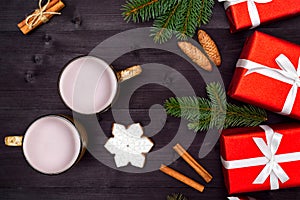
29 71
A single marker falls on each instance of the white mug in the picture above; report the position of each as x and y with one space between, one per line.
88 85
52 144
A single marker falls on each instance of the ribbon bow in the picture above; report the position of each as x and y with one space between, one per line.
252 9
39 15
270 159
287 74
269 150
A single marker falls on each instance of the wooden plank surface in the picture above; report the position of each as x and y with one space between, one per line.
29 70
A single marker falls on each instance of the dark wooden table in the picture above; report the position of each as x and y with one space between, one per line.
29 70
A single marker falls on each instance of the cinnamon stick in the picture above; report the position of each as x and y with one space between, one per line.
180 177
52 3
53 6
193 163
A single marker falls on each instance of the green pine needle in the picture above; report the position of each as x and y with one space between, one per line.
162 26
187 22
204 113
143 10
205 12
217 97
171 17
176 197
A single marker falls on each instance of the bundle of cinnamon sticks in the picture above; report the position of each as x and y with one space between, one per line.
41 15
194 164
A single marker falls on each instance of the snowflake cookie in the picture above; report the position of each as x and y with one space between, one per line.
129 145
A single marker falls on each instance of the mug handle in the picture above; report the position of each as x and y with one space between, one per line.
129 73
14 141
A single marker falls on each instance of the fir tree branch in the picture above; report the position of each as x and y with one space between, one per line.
204 113
234 113
140 9
205 11
188 107
179 17
183 23
217 97
187 23
163 26
200 125
176 197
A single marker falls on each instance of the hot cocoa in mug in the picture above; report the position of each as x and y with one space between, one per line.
88 85
52 144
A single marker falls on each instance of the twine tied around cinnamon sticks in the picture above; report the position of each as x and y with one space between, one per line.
39 15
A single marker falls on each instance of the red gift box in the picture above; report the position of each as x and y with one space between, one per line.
243 14
261 158
266 75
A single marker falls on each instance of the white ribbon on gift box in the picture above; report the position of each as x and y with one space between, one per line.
252 9
287 74
270 159
238 198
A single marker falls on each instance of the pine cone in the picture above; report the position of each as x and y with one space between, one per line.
210 47
195 55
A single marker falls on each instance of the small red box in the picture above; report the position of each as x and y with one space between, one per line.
238 144
266 11
259 87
